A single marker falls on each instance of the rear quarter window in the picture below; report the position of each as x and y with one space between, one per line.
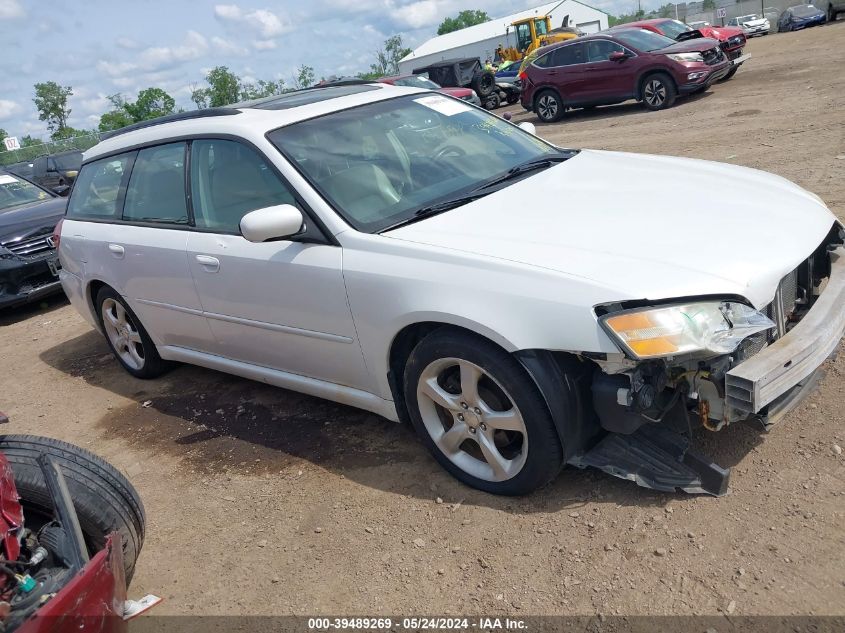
96 193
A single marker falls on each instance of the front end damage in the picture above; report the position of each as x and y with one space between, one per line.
29 269
649 409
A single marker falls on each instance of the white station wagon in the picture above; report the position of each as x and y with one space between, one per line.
524 306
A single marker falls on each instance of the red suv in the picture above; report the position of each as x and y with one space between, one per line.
603 69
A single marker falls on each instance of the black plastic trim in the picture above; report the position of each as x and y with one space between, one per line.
179 116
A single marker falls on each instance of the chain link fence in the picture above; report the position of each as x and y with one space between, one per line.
31 152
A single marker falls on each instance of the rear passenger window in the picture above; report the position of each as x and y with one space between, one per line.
97 188
568 55
156 191
228 180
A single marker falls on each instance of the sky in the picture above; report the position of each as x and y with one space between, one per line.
102 47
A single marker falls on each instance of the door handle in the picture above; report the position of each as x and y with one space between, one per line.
117 250
209 263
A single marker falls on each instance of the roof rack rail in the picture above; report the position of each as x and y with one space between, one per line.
179 116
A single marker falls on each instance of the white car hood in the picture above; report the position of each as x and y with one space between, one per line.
642 227
752 23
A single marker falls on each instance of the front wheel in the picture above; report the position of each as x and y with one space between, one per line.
658 92
549 107
730 74
480 415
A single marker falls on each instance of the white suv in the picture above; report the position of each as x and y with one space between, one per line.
404 252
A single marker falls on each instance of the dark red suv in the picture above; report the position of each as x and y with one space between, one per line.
603 69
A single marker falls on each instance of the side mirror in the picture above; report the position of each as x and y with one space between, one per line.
528 127
61 190
617 56
271 223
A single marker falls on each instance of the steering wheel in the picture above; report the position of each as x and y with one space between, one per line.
446 150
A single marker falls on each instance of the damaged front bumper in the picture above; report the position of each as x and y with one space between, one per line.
24 280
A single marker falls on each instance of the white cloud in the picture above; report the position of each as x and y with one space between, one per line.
418 14
156 57
224 46
115 69
127 42
11 9
261 22
264 45
9 108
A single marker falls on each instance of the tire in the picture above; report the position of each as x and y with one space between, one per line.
104 499
730 74
831 14
657 91
548 106
127 338
503 439
484 83
513 98
492 102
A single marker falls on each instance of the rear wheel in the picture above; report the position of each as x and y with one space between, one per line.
484 83
480 415
658 91
104 500
548 106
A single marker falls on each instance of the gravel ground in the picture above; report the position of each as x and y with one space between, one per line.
263 501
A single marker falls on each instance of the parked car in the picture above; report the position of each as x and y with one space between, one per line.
834 8
800 17
465 72
731 38
522 305
418 81
607 68
698 24
72 528
29 266
751 25
55 172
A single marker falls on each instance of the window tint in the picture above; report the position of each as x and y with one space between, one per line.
544 61
600 50
97 188
228 180
568 55
156 191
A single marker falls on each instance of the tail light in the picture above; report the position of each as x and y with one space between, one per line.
523 75
57 234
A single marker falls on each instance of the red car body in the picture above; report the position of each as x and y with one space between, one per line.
594 73
731 38
414 81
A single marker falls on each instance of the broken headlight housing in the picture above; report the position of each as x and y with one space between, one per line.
714 327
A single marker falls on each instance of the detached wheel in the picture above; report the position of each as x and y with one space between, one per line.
658 91
127 338
730 74
480 415
484 83
512 98
549 106
104 500
492 102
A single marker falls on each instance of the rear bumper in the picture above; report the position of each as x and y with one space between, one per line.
764 378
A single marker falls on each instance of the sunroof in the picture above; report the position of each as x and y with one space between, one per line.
305 97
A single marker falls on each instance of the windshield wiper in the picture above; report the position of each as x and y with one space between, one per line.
439 207
522 168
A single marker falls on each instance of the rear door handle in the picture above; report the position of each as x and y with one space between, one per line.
117 250
209 263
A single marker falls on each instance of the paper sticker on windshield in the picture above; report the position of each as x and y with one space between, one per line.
449 107
5 179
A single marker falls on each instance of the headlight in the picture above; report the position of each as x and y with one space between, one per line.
712 326
685 57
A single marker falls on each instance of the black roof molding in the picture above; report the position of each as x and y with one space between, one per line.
179 116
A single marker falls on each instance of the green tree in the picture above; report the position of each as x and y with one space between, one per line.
708 5
261 89
224 87
68 132
469 17
304 77
51 102
613 20
666 11
387 59
3 135
151 103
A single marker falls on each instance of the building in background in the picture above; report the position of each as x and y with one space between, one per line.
481 40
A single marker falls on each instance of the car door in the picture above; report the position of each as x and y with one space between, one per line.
608 81
141 252
279 304
566 71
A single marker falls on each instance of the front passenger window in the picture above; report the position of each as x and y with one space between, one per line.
228 180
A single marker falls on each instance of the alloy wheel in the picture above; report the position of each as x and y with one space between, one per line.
547 107
123 334
655 92
472 420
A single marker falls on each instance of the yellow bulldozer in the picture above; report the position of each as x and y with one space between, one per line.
532 33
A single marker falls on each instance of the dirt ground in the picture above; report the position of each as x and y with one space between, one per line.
263 501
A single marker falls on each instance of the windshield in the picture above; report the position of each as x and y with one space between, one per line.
643 40
805 11
380 163
416 82
673 28
14 192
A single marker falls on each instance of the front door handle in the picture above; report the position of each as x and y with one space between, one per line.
117 250
209 263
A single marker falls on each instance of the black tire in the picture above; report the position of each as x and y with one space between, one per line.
104 499
153 365
512 98
549 106
657 91
484 83
730 74
544 457
492 102
831 14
